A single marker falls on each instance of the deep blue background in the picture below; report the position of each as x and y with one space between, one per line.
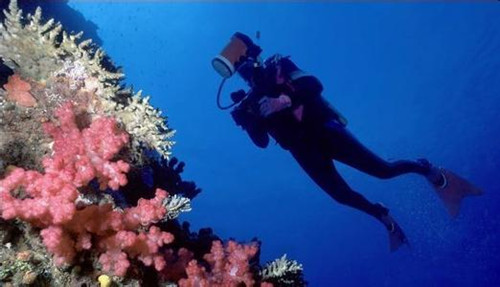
413 79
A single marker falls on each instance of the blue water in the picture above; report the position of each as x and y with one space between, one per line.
414 80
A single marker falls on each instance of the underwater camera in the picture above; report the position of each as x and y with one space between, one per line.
241 55
236 54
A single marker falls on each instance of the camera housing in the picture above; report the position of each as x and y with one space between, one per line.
235 54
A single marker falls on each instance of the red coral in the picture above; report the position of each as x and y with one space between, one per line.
18 91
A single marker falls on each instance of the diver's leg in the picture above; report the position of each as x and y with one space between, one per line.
322 170
344 147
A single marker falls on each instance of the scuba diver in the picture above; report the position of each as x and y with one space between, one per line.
286 103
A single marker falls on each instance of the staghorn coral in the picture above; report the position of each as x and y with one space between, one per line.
36 49
60 67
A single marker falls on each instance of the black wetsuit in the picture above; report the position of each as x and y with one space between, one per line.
320 137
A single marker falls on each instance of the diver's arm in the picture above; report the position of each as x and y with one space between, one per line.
258 135
306 89
270 105
253 125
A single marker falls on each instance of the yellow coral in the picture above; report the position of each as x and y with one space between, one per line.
104 280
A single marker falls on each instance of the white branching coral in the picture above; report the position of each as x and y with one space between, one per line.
282 270
36 49
133 115
175 205
60 67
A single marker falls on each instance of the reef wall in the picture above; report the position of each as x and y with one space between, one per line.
89 189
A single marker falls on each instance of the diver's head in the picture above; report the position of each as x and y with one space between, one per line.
280 67
273 70
239 55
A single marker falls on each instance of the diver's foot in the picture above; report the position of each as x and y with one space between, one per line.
454 190
435 175
397 237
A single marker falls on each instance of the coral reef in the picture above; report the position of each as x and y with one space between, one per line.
80 157
89 191
59 68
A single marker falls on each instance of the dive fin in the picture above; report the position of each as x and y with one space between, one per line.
397 237
455 189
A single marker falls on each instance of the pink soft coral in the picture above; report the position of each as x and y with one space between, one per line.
18 91
144 245
49 200
43 192
79 156
229 266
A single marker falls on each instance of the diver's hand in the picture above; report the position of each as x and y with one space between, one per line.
270 106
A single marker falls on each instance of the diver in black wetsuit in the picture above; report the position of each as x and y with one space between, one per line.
302 121
292 110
